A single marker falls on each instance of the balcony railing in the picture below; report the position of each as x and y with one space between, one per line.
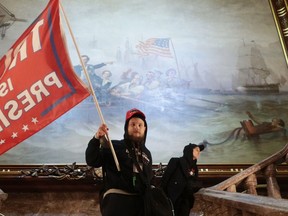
238 195
230 189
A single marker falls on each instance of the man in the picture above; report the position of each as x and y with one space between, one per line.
254 131
180 179
124 190
95 79
79 70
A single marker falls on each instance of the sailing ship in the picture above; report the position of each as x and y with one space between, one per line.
253 73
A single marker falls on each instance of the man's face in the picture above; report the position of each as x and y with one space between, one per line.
196 153
136 129
85 59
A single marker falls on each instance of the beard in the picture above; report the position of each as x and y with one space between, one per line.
137 140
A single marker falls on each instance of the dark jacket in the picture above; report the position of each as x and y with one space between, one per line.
180 182
126 179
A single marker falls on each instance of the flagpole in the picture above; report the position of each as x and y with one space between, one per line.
176 60
91 89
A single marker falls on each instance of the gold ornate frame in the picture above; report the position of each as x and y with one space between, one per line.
279 10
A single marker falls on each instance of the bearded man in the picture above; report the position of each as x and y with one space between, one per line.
124 191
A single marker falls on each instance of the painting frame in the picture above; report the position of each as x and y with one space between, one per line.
279 10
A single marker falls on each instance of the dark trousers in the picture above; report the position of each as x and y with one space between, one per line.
120 204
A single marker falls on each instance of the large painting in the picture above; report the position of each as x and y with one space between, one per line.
197 69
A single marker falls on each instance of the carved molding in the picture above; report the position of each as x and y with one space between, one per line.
80 177
279 12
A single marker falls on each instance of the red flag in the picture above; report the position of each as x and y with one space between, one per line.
156 46
37 81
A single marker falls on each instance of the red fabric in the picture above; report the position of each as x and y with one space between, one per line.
133 112
37 81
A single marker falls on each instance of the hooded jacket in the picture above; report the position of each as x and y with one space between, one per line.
180 179
126 179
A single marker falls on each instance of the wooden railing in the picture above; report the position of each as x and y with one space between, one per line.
238 195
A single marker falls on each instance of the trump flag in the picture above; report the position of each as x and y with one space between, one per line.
37 81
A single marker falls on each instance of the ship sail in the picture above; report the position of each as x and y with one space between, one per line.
253 71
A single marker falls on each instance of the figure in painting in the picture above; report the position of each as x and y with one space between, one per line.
102 88
253 128
253 131
89 67
91 70
130 89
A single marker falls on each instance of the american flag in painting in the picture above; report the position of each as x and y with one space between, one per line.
156 46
